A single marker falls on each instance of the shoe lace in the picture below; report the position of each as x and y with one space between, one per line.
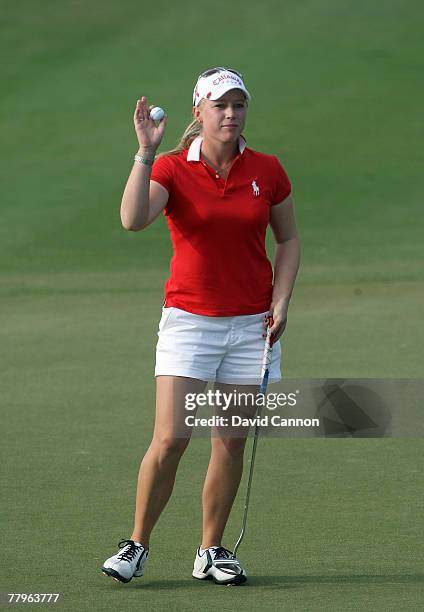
221 553
224 560
130 551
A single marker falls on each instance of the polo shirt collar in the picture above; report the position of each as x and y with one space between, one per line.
194 150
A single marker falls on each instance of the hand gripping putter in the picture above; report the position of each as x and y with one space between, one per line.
266 364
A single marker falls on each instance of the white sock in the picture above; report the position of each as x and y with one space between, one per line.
203 550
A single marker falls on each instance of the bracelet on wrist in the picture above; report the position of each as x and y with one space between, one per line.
147 161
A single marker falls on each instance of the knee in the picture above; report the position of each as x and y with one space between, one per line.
233 448
169 447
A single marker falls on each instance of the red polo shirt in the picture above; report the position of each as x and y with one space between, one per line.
220 266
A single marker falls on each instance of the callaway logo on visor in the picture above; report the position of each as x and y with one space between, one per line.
227 77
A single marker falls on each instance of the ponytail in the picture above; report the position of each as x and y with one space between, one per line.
191 132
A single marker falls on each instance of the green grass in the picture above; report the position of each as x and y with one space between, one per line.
334 524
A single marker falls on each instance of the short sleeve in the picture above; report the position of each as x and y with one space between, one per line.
281 184
162 172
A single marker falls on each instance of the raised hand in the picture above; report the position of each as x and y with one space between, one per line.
148 134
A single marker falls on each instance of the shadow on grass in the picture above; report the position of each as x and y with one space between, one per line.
293 581
280 582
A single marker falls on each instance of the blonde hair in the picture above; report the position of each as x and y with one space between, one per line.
192 131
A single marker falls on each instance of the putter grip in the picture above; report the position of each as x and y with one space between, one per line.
269 337
266 362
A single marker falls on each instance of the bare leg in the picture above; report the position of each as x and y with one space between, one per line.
224 474
159 466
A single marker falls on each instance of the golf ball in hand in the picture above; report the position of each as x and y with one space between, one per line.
157 113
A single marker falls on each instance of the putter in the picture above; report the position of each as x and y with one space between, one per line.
266 364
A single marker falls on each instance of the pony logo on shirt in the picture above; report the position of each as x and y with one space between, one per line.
255 188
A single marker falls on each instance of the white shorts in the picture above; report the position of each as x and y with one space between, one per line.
222 349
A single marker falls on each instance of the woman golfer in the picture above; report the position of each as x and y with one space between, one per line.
218 197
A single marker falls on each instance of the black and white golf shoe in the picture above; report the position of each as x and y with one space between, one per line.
217 564
128 563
